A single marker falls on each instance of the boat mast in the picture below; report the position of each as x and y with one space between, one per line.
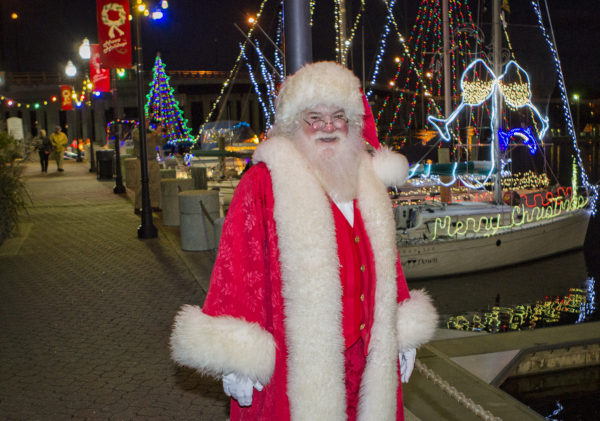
446 57
342 50
297 43
444 152
497 99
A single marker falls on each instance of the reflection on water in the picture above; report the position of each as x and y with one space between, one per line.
564 395
576 307
560 289
521 295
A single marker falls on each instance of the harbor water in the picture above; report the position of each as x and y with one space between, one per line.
562 288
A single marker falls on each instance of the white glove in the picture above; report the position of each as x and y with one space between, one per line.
407 363
240 388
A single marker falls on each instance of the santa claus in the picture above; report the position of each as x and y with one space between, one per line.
308 315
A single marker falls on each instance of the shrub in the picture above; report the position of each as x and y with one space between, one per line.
12 189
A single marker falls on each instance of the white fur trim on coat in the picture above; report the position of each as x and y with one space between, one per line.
312 290
380 378
391 167
221 345
417 320
311 286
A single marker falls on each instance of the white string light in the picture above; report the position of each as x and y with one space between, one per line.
566 107
257 90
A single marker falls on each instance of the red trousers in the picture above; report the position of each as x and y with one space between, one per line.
355 365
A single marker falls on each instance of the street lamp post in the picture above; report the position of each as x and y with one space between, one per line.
71 71
147 228
119 187
85 53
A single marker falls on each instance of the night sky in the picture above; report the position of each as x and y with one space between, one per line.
199 35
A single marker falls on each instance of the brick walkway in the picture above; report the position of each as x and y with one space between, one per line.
87 309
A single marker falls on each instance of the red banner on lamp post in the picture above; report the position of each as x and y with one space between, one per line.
66 97
99 75
114 34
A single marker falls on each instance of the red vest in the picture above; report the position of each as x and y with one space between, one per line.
357 274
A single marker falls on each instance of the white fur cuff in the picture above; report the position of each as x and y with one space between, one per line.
222 345
417 320
391 167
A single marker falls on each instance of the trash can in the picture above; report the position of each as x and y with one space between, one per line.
199 211
131 174
104 164
169 203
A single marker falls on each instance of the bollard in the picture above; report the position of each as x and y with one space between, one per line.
125 157
169 189
168 173
153 184
199 210
218 230
131 177
199 177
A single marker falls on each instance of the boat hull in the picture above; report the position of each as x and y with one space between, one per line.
452 257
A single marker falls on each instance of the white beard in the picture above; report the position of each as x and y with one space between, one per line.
336 165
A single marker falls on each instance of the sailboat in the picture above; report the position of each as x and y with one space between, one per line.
448 239
482 222
466 234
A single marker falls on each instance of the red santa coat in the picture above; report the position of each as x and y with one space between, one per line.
274 309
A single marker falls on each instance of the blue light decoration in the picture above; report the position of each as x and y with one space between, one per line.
525 134
478 87
382 45
257 89
588 307
279 59
566 108
163 109
554 415
157 14
270 84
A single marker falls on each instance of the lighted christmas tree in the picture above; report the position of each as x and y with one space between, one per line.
163 109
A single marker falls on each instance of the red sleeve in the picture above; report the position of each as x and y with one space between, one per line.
237 286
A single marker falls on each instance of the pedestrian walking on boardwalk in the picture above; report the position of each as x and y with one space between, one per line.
43 145
59 142
308 315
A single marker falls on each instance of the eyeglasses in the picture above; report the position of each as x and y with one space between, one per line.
338 121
